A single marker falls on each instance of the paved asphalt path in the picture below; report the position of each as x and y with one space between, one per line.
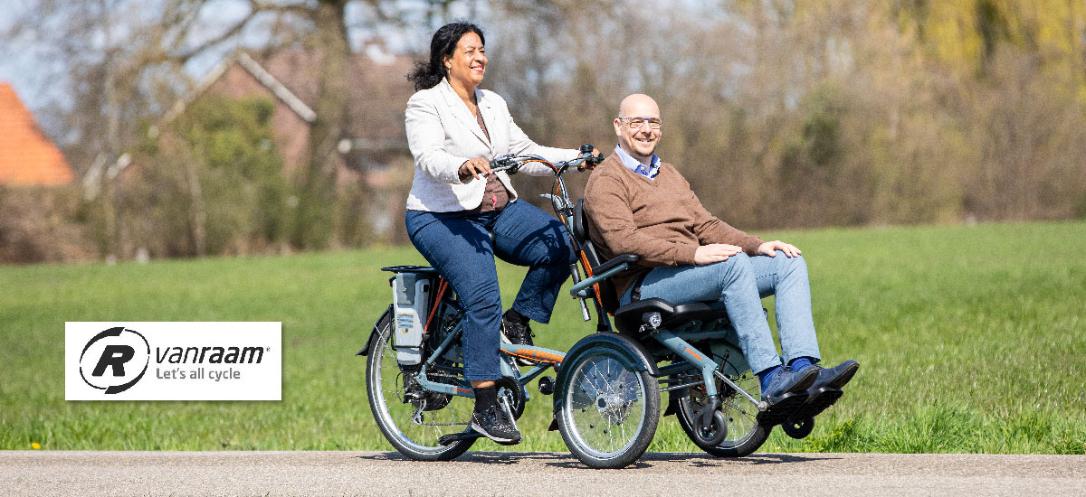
530 474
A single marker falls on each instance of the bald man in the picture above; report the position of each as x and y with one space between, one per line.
641 205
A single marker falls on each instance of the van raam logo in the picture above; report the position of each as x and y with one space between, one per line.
114 349
173 361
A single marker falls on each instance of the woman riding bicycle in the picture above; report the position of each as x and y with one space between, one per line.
460 215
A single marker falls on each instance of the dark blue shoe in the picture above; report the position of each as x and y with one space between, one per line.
787 392
826 389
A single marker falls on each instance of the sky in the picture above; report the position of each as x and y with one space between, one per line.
20 67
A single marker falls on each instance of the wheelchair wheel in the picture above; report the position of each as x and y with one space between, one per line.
412 419
609 409
744 433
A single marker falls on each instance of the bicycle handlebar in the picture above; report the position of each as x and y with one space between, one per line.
512 163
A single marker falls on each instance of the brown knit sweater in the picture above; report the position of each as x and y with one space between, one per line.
660 220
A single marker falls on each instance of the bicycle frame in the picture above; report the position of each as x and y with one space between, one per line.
543 357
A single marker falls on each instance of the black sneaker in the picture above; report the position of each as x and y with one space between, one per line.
494 423
517 333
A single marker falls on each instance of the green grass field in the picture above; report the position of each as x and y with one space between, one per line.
972 339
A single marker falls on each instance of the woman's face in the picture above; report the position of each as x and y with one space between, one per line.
467 64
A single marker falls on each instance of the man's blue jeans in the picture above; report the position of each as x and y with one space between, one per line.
458 245
740 283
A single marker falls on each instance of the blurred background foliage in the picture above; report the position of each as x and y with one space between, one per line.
836 112
218 185
781 113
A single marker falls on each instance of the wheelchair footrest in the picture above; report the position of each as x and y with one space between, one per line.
820 401
782 410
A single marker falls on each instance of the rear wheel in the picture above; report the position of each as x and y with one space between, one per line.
412 419
744 434
609 409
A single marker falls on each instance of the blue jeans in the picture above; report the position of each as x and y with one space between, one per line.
458 244
740 283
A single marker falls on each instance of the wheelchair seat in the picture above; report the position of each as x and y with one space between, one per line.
630 317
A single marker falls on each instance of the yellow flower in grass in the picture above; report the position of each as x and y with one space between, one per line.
35 445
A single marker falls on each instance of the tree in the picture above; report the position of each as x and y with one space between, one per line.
128 60
217 185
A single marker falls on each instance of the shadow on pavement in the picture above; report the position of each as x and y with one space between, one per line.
703 460
478 457
779 458
561 460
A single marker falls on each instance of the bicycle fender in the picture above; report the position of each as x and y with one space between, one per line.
376 329
643 359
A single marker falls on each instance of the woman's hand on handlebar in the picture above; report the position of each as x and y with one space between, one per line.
477 167
591 162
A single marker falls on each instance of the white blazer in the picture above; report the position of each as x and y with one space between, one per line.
442 134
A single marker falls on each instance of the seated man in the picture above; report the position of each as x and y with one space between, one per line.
640 205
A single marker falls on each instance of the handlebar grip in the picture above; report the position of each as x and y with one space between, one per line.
505 164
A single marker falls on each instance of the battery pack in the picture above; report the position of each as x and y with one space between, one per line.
411 299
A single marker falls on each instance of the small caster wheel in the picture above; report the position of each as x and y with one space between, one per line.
798 428
713 434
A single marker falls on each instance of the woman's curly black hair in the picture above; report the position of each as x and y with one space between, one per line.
429 73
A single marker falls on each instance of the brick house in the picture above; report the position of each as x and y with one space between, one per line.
379 93
374 149
375 141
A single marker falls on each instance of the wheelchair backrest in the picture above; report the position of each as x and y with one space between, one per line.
582 230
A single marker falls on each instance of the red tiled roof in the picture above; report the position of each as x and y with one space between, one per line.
27 157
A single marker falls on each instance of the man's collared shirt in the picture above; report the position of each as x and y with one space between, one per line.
649 171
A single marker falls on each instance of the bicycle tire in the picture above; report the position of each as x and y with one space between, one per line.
380 361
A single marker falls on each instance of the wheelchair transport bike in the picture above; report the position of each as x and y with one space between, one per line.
607 387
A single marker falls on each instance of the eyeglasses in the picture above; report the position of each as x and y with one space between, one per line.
638 122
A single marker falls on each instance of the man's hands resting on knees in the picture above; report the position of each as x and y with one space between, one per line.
719 252
714 252
771 248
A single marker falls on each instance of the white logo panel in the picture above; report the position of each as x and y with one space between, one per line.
173 361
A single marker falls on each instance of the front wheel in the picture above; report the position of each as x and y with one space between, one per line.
609 408
412 419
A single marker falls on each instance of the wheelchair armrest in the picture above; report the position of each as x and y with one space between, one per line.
602 273
619 259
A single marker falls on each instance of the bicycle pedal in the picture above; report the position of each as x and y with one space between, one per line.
457 437
546 385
